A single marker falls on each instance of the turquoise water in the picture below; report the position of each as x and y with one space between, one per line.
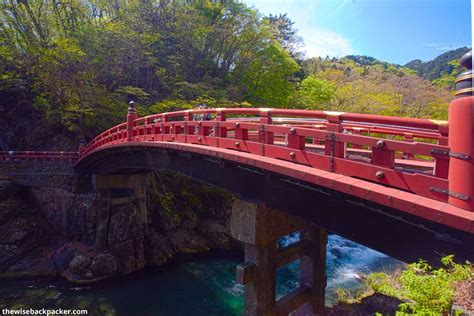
199 286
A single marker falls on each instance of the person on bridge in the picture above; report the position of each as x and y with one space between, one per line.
206 116
198 117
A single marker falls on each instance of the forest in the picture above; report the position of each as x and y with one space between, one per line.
68 68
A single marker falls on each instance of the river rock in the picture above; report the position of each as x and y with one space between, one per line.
65 254
51 228
157 249
104 264
79 264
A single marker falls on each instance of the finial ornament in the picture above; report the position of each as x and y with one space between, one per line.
464 79
131 107
466 60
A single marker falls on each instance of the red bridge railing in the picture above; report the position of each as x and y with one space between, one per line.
403 153
39 156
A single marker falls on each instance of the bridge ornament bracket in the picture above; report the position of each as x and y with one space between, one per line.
456 195
262 139
332 138
450 154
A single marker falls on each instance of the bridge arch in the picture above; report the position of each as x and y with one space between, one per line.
297 190
402 186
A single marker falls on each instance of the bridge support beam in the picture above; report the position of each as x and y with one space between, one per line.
114 190
313 271
260 228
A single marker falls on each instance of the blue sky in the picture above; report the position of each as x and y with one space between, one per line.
396 31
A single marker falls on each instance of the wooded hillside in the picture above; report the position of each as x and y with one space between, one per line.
68 69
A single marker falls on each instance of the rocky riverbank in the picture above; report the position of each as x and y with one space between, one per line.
50 229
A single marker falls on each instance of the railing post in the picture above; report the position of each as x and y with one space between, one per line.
165 129
219 130
333 147
295 141
408 137
188 117
383 157
145 130
441 168
240 133
131 117
264 136
203 130
461 140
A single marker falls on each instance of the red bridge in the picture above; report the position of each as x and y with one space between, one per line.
398 162
400 185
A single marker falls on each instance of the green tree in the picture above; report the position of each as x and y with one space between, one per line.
314 93
424 289
265 79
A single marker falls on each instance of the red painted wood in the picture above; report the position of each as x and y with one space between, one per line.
294 138
412 203
461 142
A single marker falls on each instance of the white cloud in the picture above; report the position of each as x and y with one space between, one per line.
323 42
318 40
441 46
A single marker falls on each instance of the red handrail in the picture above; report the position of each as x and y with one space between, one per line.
369 147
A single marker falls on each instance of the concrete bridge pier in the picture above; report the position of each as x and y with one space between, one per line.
115 190
260 228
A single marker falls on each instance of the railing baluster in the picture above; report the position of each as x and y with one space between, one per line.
441 164
240 133
296 141
188 117
383 157
219 130
264 136
333 147
408 137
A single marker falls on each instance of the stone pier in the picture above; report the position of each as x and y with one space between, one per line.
114 190
259 228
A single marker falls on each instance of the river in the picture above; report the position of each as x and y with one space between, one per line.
200 285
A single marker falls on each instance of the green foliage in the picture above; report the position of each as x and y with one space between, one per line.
314 93
424 289
439 66
68 69
447 78
72 66
133 93
365 85
175 198
383 284
353 296
169 106
266 78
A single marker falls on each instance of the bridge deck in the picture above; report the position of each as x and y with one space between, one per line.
429 209
398 162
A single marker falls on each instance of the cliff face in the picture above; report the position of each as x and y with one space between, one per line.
49 227
26 237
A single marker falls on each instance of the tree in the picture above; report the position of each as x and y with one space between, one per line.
424 290
266 77
314 93
286 34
